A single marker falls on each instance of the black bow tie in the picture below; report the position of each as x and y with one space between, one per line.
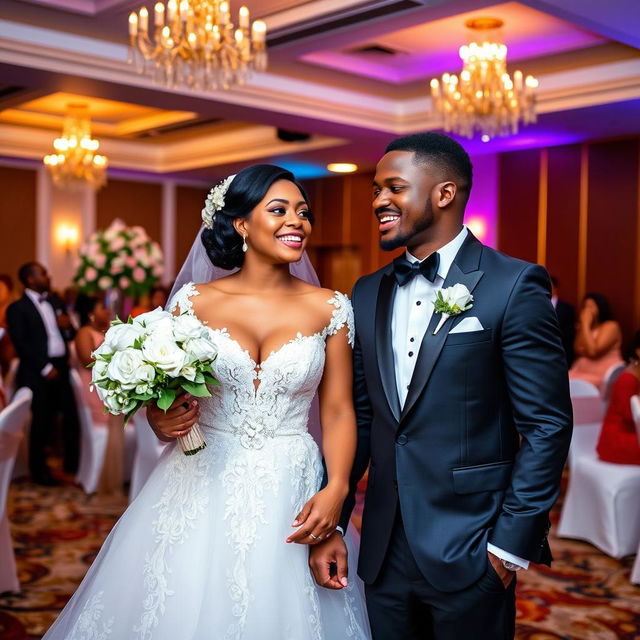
406 271
43 297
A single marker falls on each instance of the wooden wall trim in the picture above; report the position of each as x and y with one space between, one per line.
583 221
543 192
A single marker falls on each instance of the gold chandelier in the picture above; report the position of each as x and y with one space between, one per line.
75 162
193 43
484 97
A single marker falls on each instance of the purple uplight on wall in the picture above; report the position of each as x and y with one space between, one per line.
482 209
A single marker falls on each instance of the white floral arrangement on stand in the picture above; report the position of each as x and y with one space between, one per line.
151 358
119 257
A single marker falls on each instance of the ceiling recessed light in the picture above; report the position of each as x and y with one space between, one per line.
342 167
485 138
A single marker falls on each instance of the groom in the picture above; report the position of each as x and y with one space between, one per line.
464 421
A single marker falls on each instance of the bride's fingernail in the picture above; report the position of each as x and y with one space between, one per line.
295 523
344 582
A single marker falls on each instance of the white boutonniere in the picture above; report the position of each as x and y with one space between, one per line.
452 301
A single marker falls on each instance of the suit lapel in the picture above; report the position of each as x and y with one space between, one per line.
384 349
464 270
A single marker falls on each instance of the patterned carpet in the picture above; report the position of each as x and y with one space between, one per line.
57 533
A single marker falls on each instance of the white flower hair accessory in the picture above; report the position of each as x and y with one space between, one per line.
215 201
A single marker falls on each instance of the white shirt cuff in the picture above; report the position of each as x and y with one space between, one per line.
45 371
341 530
509 557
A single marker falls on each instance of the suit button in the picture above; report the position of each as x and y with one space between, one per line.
402 439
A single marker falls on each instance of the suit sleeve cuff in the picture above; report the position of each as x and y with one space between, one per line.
45 371
505 555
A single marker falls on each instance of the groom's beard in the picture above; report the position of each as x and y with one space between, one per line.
402 239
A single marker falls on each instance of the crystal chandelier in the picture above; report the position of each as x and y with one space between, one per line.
193 43
484 97
75 162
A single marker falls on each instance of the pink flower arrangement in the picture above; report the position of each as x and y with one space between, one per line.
119 256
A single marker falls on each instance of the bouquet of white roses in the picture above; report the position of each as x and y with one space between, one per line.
150 358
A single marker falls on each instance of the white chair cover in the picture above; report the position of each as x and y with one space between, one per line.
12 420
588 412
148 450
601 505
635 411
93 438
10 380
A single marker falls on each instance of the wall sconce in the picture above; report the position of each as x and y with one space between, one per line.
67 236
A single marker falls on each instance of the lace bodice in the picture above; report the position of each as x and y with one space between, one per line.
258 402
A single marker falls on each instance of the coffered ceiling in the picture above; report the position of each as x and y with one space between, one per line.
348 74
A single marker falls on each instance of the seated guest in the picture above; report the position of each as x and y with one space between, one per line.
566 319
157 297
598 341
618 439
95 319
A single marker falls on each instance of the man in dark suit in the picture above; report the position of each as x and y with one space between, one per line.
464 417
566 320
44 368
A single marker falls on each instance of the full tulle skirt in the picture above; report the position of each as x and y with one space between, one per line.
201 554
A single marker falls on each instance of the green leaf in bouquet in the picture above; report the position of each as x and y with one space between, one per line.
143 397
167 396
174 383
199 379
211 380
137 343
130 414
197 390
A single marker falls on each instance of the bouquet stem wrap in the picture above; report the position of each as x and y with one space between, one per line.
193 441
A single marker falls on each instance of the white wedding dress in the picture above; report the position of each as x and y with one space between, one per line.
201 553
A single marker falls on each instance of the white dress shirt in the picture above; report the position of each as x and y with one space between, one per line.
412 311
55 343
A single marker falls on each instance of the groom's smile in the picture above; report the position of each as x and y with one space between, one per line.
401 199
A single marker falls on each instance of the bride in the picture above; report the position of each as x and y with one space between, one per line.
215 545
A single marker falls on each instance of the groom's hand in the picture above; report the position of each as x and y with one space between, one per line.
504 574
328 562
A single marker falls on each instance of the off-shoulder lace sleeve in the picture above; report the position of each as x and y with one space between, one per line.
182 299
342 316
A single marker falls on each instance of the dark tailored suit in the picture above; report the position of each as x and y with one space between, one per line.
477 452
567 321
29 336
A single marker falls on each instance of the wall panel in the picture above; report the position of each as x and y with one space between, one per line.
189 204
17 218
612 226
518 203
563 214
135 203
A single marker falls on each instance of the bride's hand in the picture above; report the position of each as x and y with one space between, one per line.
319 517
178 419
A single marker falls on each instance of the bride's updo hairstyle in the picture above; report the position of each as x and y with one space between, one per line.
222 242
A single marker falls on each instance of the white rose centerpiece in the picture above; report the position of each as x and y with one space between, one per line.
150 359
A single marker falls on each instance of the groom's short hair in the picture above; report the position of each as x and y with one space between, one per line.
440 150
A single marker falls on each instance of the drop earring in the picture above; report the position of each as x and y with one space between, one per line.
244 244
